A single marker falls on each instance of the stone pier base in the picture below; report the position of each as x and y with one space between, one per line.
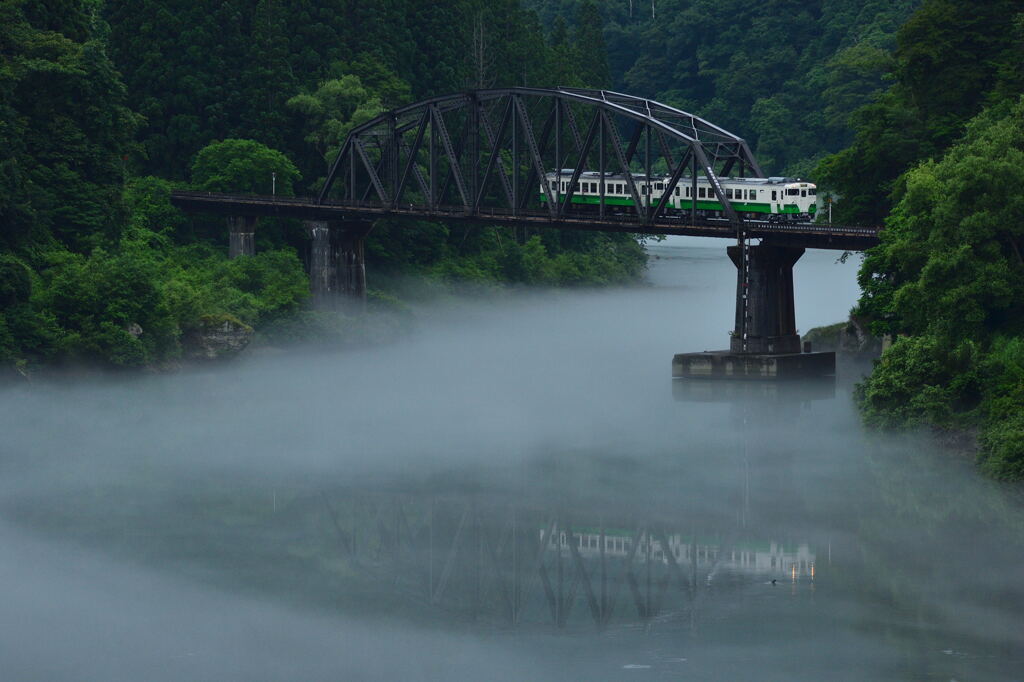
752 366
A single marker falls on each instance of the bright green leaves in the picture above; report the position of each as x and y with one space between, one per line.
949 262
336 107
920 381
540 260
949 273
101 301
244 166
952 59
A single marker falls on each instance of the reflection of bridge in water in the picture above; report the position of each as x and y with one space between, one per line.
768 558
517 565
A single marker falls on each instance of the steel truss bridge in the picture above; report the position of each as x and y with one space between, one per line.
482 156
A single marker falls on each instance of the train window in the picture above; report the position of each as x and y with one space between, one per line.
812 192
660 185
577 187
803 192
792 192
774 193
703 192
677 191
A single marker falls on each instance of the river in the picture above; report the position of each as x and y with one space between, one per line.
516 491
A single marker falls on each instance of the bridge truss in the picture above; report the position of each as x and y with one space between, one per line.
487 153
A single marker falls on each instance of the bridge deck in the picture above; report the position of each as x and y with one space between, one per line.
807 235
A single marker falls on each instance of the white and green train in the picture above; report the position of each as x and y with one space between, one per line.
788 199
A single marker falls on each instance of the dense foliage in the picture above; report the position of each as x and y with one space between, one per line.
784 74
949 279
952 59
945 145
909 110
100 100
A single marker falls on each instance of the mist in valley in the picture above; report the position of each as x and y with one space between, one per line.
517 490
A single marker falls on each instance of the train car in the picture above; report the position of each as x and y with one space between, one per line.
775 198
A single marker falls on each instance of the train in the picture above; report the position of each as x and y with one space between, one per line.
777 199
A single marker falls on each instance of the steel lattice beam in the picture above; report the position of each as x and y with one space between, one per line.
469 137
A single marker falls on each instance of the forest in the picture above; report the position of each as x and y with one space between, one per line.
907 112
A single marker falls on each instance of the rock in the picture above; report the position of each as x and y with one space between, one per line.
218 337
850 338
855 339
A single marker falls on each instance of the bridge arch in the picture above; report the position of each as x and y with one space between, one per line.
488 152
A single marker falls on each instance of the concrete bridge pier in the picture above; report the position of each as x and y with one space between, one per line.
241 236
767 345
352 258
323 266
771 318
337 269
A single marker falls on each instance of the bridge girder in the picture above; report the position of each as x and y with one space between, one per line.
491 150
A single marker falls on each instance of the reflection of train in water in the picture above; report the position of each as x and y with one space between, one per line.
764 558
776 198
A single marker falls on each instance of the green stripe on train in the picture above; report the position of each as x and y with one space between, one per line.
741 206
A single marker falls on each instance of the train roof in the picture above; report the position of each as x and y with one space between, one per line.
640 177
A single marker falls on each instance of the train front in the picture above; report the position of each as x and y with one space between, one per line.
801 201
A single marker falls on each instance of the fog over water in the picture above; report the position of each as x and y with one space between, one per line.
515 491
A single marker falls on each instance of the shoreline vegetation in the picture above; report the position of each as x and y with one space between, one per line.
908 114
938 158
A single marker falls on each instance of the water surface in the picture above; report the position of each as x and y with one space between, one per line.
517 492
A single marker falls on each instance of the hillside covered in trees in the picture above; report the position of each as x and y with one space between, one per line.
106 105
907 111
939 156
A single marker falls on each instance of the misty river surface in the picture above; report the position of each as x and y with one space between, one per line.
515 491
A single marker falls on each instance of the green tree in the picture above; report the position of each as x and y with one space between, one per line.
64 130
590 46
336 107
949 275
948 64
243 166
950 259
